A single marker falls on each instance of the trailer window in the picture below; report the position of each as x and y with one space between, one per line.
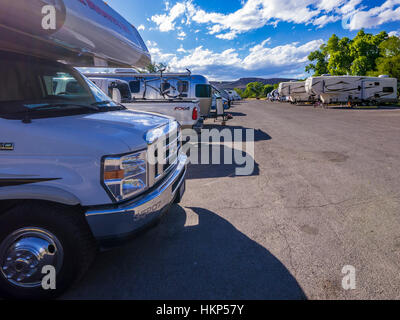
135 86
377 84
203 91
125 92
183 86
388 89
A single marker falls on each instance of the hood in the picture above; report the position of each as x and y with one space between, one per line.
100 134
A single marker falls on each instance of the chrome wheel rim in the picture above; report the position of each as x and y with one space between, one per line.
25 252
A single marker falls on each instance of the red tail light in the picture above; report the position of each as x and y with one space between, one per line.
195 114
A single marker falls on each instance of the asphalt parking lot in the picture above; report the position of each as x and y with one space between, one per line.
325 193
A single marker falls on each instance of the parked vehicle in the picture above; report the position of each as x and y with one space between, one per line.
75 168
353 89
185 111
235 96
217 95
273 95
161 85
295 91
225 98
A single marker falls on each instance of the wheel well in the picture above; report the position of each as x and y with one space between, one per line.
6 205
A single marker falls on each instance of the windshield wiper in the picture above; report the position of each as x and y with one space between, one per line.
66 106
61 106
117 107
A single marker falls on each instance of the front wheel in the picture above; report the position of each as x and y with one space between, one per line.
44 249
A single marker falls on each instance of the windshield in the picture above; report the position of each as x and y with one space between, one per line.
32 85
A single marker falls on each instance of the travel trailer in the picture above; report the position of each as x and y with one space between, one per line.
353 89
235 95
295 91
78 172
161 85
185 111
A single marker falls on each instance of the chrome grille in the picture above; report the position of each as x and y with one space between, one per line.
165 152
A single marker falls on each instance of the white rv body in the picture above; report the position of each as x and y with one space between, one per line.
344 89
295 91
88 32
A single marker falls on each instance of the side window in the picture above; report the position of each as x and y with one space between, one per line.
165 86
388 89
203 91
73 87
183 86
135 86
377 84
125 92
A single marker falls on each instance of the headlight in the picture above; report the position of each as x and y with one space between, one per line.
126 176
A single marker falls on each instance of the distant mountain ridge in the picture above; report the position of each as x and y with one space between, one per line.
243 82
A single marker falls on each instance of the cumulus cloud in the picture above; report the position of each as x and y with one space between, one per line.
141 27
255 14
389 11
166 22
261 60
181 35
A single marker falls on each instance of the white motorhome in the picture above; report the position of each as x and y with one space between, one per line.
78 172
160 85
353 89
295 91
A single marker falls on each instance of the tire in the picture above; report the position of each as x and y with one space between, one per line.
59 231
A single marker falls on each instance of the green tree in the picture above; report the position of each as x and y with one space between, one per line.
319 59
356 56
389 61
267 89
155 67
254 90
239 92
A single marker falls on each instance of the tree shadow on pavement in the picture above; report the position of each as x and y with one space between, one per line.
198 257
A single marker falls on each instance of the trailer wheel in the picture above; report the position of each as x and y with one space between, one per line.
37 240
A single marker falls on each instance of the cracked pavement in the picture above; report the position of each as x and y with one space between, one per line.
325 193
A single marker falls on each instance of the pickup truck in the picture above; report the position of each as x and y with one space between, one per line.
185 111
75 173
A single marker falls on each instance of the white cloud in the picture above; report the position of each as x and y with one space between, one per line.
394 33
255 14
141 27
261 60
181 35
389 11
166 22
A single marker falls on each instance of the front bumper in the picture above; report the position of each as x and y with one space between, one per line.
118 222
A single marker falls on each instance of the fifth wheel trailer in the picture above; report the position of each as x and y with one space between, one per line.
78 172
295 90
353 89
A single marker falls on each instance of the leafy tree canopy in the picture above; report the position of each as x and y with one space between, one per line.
366 54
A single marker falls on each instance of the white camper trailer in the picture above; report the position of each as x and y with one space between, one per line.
353 89
295 91
160 85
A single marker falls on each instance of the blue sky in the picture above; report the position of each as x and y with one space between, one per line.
230 39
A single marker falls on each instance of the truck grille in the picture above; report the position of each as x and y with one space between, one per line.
165 151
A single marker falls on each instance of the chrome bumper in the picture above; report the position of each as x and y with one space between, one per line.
120 221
